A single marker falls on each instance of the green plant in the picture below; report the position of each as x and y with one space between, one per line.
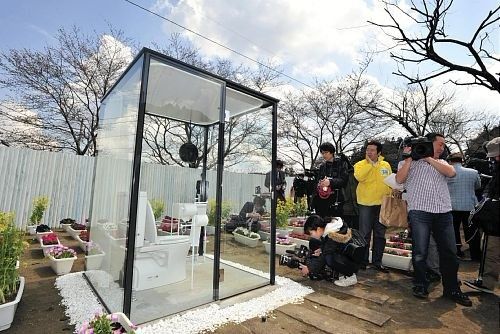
158 207
225 211
11 248
245 232
103 324
300 207
283 211
40 204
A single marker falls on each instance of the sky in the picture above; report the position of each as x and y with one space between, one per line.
321 39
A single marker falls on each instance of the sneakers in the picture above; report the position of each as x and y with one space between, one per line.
420 292
346 280
459 298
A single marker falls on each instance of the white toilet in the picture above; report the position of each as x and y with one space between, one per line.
159 260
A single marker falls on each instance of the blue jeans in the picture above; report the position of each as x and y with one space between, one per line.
441 225
368 222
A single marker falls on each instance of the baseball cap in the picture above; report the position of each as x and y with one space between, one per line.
493 147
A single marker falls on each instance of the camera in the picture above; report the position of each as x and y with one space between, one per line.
294 258
421 147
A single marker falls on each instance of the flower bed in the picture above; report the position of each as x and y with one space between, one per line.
108 323
40 235
399 245
75 229
280 248
245 237
61 259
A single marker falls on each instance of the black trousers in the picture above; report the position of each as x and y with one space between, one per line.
337 262
461 218
327 207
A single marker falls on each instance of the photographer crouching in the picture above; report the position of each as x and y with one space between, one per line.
429 206
327 247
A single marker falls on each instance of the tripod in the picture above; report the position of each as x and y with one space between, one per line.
477 283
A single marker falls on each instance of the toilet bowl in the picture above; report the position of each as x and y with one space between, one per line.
159 260
161 263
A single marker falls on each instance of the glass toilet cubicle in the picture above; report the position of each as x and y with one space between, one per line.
179 152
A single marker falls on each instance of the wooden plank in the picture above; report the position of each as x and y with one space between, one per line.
357 292
317 320
360 312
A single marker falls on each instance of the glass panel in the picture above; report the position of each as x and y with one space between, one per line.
244 260
169 275
112 186
180 95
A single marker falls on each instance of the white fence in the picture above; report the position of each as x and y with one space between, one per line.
67 179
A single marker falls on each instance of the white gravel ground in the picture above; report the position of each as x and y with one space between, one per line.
81 305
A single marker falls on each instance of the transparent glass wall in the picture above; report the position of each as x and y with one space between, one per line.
112 187
169 274
247 137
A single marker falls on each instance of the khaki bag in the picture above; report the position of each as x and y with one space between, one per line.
393 211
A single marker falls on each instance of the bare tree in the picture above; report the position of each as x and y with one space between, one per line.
54 94
332 112
429 46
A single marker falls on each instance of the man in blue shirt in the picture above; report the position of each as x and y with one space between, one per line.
463 199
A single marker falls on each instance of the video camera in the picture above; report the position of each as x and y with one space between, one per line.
294 258
421 147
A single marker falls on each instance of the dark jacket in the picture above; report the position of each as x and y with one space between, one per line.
337 172
334 242
493 188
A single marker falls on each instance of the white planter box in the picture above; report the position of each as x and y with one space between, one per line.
125 322
65 226
283 233
39 235
264 235
73 233
81 243
297 229
280 249
47 248
62 266
250 242
94 262
8 310
32 229
396 261
300 242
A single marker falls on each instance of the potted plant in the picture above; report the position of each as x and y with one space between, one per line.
94 256
158 208
61 259
75 229
282 245
283 211
83 239
48 241
66 222
108 324
42 230
225 212
397 253
40 204
245 237
300 238
11 284
300 207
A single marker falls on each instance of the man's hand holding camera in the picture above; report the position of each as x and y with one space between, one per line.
303 268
